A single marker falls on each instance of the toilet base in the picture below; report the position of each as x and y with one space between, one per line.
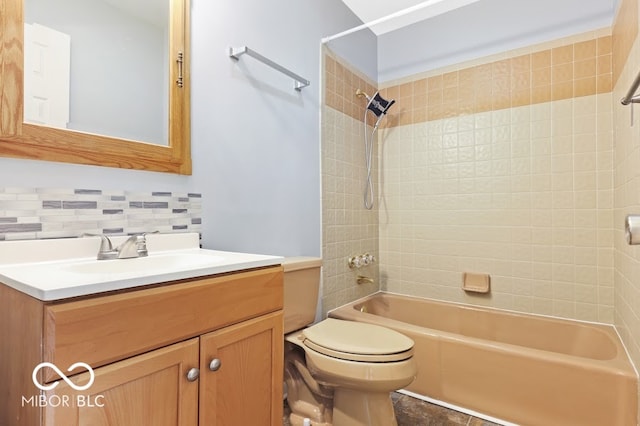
296 420
358 408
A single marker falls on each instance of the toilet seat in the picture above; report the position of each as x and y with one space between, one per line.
356 341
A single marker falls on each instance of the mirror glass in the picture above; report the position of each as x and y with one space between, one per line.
98 66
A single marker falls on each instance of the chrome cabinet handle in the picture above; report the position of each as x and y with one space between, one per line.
215 364
193 374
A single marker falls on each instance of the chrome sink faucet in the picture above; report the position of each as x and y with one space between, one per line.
134 246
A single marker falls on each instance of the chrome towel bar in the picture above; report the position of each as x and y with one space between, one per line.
300 82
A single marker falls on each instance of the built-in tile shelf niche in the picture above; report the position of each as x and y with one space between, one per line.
39 213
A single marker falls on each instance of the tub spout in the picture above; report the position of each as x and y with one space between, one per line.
364 280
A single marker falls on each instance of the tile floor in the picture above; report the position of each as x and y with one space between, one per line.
415 412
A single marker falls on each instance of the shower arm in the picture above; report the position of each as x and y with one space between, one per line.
360 94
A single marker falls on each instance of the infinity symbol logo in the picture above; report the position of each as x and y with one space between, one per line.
61 374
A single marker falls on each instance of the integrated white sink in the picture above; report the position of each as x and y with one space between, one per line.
59 269
171 261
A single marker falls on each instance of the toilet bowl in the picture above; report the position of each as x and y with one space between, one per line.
338 372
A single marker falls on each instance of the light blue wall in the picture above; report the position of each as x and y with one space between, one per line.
255 141
257 156
485 28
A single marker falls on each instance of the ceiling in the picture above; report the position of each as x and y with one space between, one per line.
412 11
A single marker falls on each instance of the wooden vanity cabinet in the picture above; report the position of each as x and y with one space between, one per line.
246 388
149 389
206 351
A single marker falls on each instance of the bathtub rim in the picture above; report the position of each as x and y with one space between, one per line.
469 305
621 362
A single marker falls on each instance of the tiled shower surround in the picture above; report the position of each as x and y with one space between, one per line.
502 166
505 166
348 229
39 213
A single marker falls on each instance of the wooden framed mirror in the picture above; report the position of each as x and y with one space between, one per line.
22 139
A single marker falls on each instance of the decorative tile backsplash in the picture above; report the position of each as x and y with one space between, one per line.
38 213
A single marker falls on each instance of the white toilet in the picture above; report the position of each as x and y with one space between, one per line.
338 373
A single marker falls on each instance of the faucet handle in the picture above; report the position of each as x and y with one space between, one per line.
106 250
105 242
141 243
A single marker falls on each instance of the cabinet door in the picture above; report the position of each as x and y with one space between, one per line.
241 373
151 389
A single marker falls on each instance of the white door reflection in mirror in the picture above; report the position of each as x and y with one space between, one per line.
119 64
46 76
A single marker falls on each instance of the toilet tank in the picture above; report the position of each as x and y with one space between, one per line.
301 287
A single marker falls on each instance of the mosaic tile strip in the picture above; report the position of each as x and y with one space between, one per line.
40 213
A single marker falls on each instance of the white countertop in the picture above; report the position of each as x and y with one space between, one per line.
59 269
